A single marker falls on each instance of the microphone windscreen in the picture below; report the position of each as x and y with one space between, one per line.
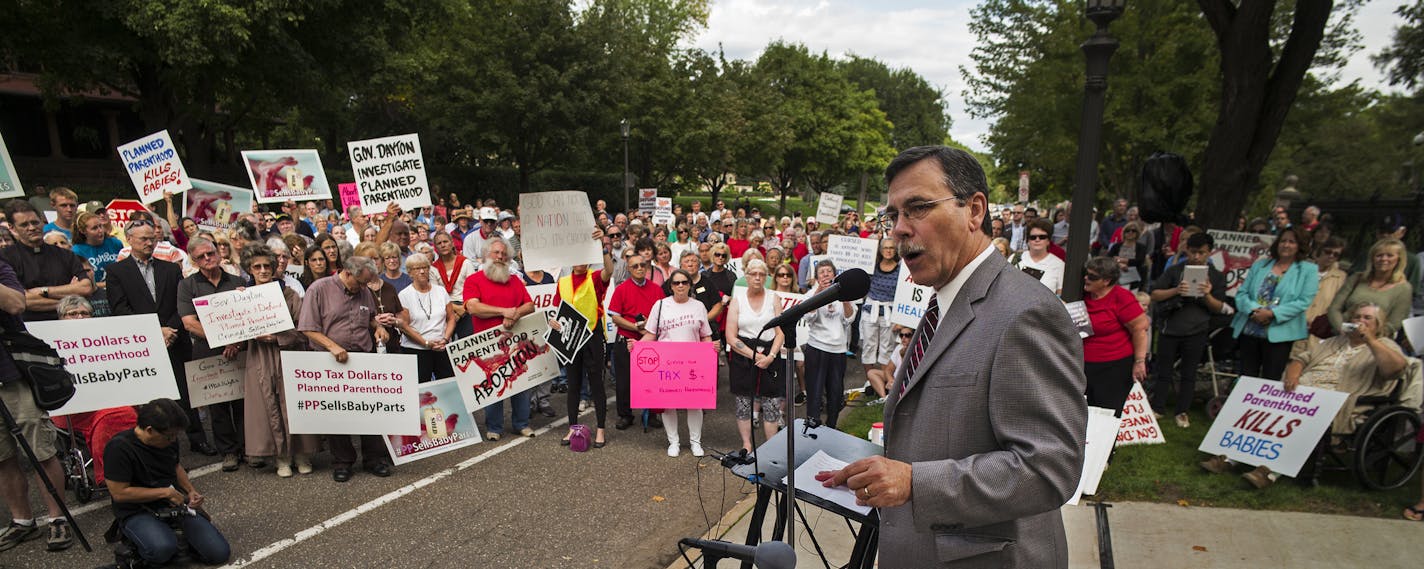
855 284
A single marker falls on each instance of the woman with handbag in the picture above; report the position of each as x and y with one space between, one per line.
1271 303
679 318
755 365
1382 283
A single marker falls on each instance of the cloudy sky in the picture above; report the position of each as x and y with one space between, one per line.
931 37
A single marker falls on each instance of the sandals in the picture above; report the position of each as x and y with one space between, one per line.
1413 514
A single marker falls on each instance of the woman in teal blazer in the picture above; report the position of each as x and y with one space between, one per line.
1271 304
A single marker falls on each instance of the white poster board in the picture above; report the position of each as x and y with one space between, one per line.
1414 330
496 364
240 315
1262 424
828 209
1098 445
647 200
662 211
387 170
215 379
447 422
1139 425
911 300
281 175
1234 254
116 361
9 180
370 394
557 230
852 253
154 167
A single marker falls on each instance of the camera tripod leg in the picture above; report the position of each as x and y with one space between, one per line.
19 435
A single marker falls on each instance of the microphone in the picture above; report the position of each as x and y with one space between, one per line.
850 285
765 555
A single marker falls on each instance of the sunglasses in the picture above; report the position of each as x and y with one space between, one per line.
615 234
637 265
783 275
1094 277
681 283
720 255
1038 237
905 334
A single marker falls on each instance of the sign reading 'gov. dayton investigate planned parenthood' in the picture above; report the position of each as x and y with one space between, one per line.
387 170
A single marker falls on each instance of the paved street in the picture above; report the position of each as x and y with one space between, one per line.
515 503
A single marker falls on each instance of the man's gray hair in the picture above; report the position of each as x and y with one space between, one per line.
496 239
960 171
72 302
199 243
416 260
277 246
356 265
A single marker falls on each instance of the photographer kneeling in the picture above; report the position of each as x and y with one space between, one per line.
151 491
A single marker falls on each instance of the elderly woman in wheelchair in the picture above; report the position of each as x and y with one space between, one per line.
1383 391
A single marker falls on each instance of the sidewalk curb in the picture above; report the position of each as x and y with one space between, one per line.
721 529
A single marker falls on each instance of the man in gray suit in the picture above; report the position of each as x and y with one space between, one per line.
985 422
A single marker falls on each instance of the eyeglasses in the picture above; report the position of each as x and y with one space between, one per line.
680 283
916 210
906 334
783 275
205 254
1037 237
78 313
643 265
260 267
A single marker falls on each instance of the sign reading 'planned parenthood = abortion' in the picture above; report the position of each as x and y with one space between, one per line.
496 364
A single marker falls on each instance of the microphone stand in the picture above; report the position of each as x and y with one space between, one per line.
788 331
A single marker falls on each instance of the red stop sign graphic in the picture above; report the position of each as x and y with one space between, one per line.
647 359
119 210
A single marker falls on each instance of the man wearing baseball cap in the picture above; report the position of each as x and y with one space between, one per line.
473 249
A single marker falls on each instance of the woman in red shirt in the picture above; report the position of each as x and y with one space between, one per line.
1116 354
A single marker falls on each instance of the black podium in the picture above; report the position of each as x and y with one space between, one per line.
771 467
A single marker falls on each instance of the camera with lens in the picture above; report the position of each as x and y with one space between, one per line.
173 513
1349 327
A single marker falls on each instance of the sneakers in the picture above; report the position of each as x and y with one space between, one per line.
697 450
284 468
1260 477
304 465
1216 465
230 462
491 437
800 398
17 533
1183 421
583 405
672 450
526 432
61 536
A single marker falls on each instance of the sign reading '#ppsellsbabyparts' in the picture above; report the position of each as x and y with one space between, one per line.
1262 424
119 360
389 169
447 422
240 315
496 364
673 375
215 379
1139 425
154 167
370 394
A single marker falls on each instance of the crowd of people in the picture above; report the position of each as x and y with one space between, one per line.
414 281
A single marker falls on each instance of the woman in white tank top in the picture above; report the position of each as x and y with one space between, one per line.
754 367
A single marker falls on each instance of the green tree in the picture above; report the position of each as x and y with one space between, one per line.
913 106
1403 60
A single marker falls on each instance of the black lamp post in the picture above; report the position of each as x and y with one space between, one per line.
1099 49
627 185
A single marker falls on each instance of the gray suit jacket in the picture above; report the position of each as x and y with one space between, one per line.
992 423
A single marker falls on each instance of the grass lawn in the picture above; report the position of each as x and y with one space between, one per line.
1168 473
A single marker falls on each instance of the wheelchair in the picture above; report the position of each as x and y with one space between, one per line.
1382 452
76 462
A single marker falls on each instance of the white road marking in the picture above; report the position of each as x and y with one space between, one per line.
194 473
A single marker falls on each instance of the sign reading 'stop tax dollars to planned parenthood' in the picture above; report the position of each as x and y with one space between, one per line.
1262 424
153 166
241 315
389 170
119 360
673 375
558 230
370 394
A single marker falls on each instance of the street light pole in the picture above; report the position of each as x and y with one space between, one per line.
1099 49
627 185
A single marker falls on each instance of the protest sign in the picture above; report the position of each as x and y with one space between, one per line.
1139 425
447 422
215 206
389 170
911 300
495 364
558 230
1262 424
828 210
154 167
370 394
543 296
610 330
1078 311
281 175
349 196
120 210
239 315
1414 330
1234 253
115 361
673 375
803 326
9 180
573 333
735 265
662 212
852 253
1023 185
1098 444
215 379
647 200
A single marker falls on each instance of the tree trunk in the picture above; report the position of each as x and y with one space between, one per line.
1256 96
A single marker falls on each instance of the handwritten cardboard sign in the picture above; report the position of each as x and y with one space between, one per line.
215 379
852 253
1139 425
118 360
447 422
349 196
154 167
673 375
241 315
495 364
828 209
558 230
387 170
370 394
1262 424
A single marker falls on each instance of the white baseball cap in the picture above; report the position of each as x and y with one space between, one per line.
489 213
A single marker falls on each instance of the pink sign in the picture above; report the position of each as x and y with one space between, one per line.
673 375
349 196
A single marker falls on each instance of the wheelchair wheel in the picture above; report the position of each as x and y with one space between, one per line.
1386 456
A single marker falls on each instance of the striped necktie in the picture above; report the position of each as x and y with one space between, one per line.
922 341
